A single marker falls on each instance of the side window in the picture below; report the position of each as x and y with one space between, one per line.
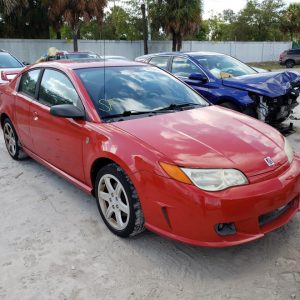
184 67
28 82
56 89
160 61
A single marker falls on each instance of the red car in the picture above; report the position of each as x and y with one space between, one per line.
153 152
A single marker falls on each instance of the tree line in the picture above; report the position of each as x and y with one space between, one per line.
178 20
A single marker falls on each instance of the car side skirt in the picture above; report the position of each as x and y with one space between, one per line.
61 173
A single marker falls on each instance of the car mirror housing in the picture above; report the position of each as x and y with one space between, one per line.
198 76
67 111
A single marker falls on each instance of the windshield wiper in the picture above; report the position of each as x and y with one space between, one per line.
128 113
171 108
175 106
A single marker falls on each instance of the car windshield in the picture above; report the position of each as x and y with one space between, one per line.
223 66
8 61
132 90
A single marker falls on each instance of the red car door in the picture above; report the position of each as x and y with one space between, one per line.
25 95
59 141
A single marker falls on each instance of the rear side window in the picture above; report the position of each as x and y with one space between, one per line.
294 52
160 61
8 61
28 82
56 88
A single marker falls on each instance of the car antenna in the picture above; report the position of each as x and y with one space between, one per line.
104 70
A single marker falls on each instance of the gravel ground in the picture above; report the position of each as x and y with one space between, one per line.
53 245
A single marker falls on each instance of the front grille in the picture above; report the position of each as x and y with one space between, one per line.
268 217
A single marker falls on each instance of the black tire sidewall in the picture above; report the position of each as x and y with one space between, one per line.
289 64
16 156
116 171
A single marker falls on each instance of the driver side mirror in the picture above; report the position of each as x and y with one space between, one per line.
67 111
25 63
198 76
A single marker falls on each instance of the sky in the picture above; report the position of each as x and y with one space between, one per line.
214 6
217 6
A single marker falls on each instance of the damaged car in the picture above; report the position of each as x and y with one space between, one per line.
226 81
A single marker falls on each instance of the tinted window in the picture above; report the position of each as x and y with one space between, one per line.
8 61
184 67
56 89
294 52
81 55
134 89
28 82
160 61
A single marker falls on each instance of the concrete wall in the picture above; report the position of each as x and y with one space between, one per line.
30 50
245 51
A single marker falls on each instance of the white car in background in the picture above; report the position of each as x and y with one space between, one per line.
9 64
115 57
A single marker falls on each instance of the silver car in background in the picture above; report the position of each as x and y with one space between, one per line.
10 64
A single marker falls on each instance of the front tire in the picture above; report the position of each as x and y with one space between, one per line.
11 139
118 202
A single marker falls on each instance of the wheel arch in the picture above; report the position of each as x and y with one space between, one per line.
233 101
98 164
2 118
103 161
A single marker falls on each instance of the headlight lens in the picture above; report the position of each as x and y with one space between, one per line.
288 150
215 179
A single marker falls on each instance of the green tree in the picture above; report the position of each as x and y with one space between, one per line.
180 18
75 12
259 21
290 22
26 19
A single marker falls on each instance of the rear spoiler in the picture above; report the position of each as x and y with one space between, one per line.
9 75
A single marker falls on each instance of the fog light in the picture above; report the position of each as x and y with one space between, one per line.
224 229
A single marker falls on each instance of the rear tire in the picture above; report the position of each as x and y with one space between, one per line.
290 64
11 139
118 202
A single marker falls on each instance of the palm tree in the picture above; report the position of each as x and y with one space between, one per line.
74 12
7 6
179 18
291 20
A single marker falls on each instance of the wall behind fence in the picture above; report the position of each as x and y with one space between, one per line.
31 50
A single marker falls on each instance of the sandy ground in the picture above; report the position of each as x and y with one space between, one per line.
53 245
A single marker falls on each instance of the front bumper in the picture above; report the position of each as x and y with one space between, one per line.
187 214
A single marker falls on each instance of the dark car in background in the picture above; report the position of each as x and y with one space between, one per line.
9 64
290 58
75 55
226 81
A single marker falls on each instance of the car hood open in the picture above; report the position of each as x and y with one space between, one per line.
211 137
272 84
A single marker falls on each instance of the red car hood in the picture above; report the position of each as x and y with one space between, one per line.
211 137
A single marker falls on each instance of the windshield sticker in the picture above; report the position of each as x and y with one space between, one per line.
106 104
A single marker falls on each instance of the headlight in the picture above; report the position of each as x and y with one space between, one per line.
215 179
288 150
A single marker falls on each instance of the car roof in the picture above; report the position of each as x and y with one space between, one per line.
75 52
187 53
83 64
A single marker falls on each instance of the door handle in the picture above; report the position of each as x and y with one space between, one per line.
35 116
